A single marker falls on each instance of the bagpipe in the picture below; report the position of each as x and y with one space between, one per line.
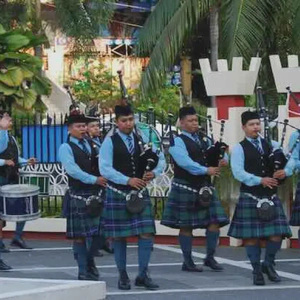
74 108
216 151
277 160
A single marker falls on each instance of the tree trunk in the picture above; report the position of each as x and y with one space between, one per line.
38 50
186 79
214 42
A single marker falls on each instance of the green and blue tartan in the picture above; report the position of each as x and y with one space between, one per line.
120 223
79 222
177 215
295 217
245 223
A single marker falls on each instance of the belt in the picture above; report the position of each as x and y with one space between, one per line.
259 198
122 193
188 188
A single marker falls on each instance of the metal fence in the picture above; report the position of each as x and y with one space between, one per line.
42 136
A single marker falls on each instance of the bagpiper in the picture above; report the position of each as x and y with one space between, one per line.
259 213
295 217
83 207
184 209
128 209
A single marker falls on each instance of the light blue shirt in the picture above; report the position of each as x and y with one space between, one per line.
4 144
181 156
97 142
3 140
296 152
106 160
238 169
66 157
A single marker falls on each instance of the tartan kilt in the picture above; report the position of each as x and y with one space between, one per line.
176 215
245 223
120 223
79 223
295 217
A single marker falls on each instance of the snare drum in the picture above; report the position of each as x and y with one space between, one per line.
19 202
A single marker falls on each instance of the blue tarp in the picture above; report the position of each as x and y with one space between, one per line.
43 142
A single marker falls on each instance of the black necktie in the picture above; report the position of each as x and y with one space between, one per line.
84 147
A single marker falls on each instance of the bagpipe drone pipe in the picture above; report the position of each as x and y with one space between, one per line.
277 160
216 151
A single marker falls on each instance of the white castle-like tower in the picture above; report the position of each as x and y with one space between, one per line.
229 87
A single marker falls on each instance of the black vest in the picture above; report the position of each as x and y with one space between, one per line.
11 152
197 154
123 161
87 163
95 158
258 165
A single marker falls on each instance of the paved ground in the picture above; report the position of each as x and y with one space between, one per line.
54 260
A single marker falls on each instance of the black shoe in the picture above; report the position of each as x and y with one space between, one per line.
146 282
271 273
258 277
92 270
124 281
20 243
191 268
3 249
108 248
87 276
4 266
213 264
99 253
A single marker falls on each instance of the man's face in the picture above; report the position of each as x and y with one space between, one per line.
8 117
93 129
252 128
78 130
125 123
190 123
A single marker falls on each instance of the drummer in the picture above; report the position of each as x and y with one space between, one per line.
10 161
94 137
78 159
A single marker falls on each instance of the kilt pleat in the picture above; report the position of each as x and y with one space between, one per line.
177 215
120 223
79 222
245 223
295 217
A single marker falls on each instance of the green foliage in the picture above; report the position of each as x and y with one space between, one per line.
20 79
163 36
98 85
82 19
13 10
167 100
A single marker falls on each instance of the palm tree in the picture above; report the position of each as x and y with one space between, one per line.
75 18
244 25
